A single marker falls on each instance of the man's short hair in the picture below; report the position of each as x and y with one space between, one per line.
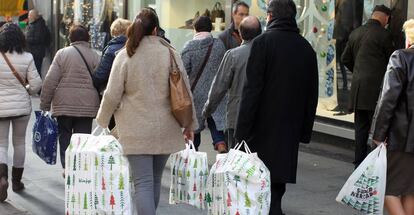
249 31
203 24
237 4
282 8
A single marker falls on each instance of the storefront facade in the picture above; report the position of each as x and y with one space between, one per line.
319 21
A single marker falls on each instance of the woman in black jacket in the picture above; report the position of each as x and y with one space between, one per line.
395 125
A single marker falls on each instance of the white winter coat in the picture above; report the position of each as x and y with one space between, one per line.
14 99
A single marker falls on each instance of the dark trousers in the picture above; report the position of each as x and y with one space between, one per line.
38 60
340 47
69 125
278 190
217 136
363 121
229 138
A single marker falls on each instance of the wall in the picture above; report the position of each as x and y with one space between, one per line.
410 9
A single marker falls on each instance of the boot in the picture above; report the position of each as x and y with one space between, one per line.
3 182
17 184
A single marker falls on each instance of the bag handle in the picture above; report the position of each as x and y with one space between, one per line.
190 145
15 73
200 71
246 147
84 60
105 131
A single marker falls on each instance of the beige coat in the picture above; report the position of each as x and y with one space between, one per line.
138 94
68 87
14 99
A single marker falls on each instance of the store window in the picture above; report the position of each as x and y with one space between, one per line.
326 24
97 15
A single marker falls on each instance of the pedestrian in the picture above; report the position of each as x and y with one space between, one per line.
160 31
279 98
15 102
202 56
230 77
231 36
68 89
366 55
394 125
118 33
38 38
138 94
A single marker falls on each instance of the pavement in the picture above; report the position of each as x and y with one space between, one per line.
322 171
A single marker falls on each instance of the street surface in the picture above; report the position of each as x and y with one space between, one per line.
323 169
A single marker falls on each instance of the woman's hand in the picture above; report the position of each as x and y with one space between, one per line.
188 134
378 142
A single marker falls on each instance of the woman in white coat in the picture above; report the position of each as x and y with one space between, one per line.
15 102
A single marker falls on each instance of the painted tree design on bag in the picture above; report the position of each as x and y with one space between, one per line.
122 200
247 202
194 187
68 181
73 180
188 174
121 182
79 162
79 200
188 197
237 212
90 200
228 199
96 202
236 179
195 164
111 180
201 199
102 161
103 199
73 200
96 162
111 161
208 199
67 199
103 183
250 171
112 201
74 162
85 201
86 164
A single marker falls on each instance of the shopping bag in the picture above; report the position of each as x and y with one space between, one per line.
239 183
97 177
365 189
189 171
45 135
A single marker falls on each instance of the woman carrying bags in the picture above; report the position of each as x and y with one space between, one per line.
18 79
395 125
138 94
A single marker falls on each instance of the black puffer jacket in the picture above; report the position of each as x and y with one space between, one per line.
394 115
38 37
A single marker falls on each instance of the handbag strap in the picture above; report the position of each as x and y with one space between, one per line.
200 71
84 60
15 73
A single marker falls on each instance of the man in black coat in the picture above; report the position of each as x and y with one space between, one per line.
38 38
279 98
366 56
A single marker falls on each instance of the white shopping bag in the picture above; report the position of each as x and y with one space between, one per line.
97 177
189 171
365 189
239 184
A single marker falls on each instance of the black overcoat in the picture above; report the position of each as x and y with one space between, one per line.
366 56
279 98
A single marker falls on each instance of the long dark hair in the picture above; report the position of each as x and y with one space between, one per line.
12 38
144 24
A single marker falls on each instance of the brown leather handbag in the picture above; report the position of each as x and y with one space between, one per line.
181 102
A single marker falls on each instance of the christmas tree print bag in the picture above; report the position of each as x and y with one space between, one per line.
45 135
97 177
189 171
365 189
239 183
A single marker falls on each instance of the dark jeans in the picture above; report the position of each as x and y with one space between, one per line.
363 120
229 138
217 136
38 60
69 125
278 190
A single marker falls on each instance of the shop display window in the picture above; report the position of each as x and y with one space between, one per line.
96 15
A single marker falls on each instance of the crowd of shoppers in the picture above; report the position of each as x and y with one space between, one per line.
241 85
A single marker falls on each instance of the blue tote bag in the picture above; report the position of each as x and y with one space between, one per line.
45 136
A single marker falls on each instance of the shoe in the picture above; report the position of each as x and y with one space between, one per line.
3 182
17 184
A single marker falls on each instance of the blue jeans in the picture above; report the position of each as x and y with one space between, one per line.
217 136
